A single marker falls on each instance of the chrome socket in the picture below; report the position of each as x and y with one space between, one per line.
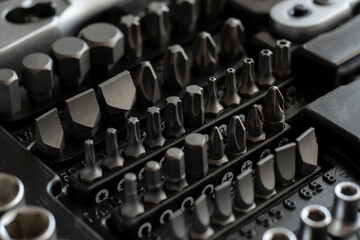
11 194
314 221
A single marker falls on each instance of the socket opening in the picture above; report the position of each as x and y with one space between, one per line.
315 216
283 42
348 191
12 191
279 234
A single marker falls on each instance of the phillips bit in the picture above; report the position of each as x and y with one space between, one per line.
200 227
274 117
131 205
148 91
157 23
173 117
194 106
248 86
176 68
231 39
279 233
91 171
154 192
244 192
315 219
285 164
307 152
265 77
213 107
211 10
154 137
196 156
175 170
178 226
113 158
204 55
282 59
255 120
134 148
217 156
184 14
223 214
236 137
265 178
131 28
231 97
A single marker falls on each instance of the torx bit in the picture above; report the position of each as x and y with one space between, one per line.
147 91
178 226
131 205
217 156
204 55
211 11
157 23
184 14
131 28
307 152
91 171
134 148
154 192
223 213
196 156
200 227
231 39
176 68
236 137
274 118
213 107
175 170
315 219
285 164
230 97
265 178
265 77
248 86
154 137
244 192
194 106
282 59
113 158
174 126
255 121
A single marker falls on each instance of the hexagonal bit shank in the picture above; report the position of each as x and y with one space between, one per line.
175 170
154 137
10 98
134 148
196 156
154 192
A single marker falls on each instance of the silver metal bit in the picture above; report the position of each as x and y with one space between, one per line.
196 156
154 137
285 164
282 59
200 227
175 170
148 91
184 14
91 171
231 39
265 77
10 97
204 55
154 192
265 178
345 217
279 233
307 152
131 28
244 192
131 205
223 213
211 10
231 97
248 86
134 148
274 117
236 137
194 106
213 107
157 23
178 226
12 193
255 120
314 221
174 126
176 68
113 159
217 156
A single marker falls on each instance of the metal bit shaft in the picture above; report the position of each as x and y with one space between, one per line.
153 184
154 137
173 117
244 192
230 97
204 55
223 214
255 120
285 164
131 205
265 77
175 170
236 137
213 107
282 59
231 39
194 106
265 178
157 23
217 156
113 158
248 86
178 226
134 148
200 227
131 28
196 156
148 91
274 117
91 171
184 14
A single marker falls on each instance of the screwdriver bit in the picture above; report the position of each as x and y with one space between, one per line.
231 39
113 159
154 137
211 10
265 178
134 148
274 118
178 226
200 226
184 14
204 55
315 219
147 91
176 68
255 120
154 192
279 233
285 164
131 205
230 97
196 156
217 156
307 152
173 118
248 86
131 28
223 214
265 77
282 59
91 171
10 97
213 107
236 137
157 23
244 192
175 170
194 106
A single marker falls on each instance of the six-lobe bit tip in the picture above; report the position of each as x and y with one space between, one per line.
134 148
154 137
174 126
113 159
213 107
157 23
204 55
230 97
265 77
255 121
274 117
231 39
91 171
248 86
236 137
282 59
131 28
194 106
